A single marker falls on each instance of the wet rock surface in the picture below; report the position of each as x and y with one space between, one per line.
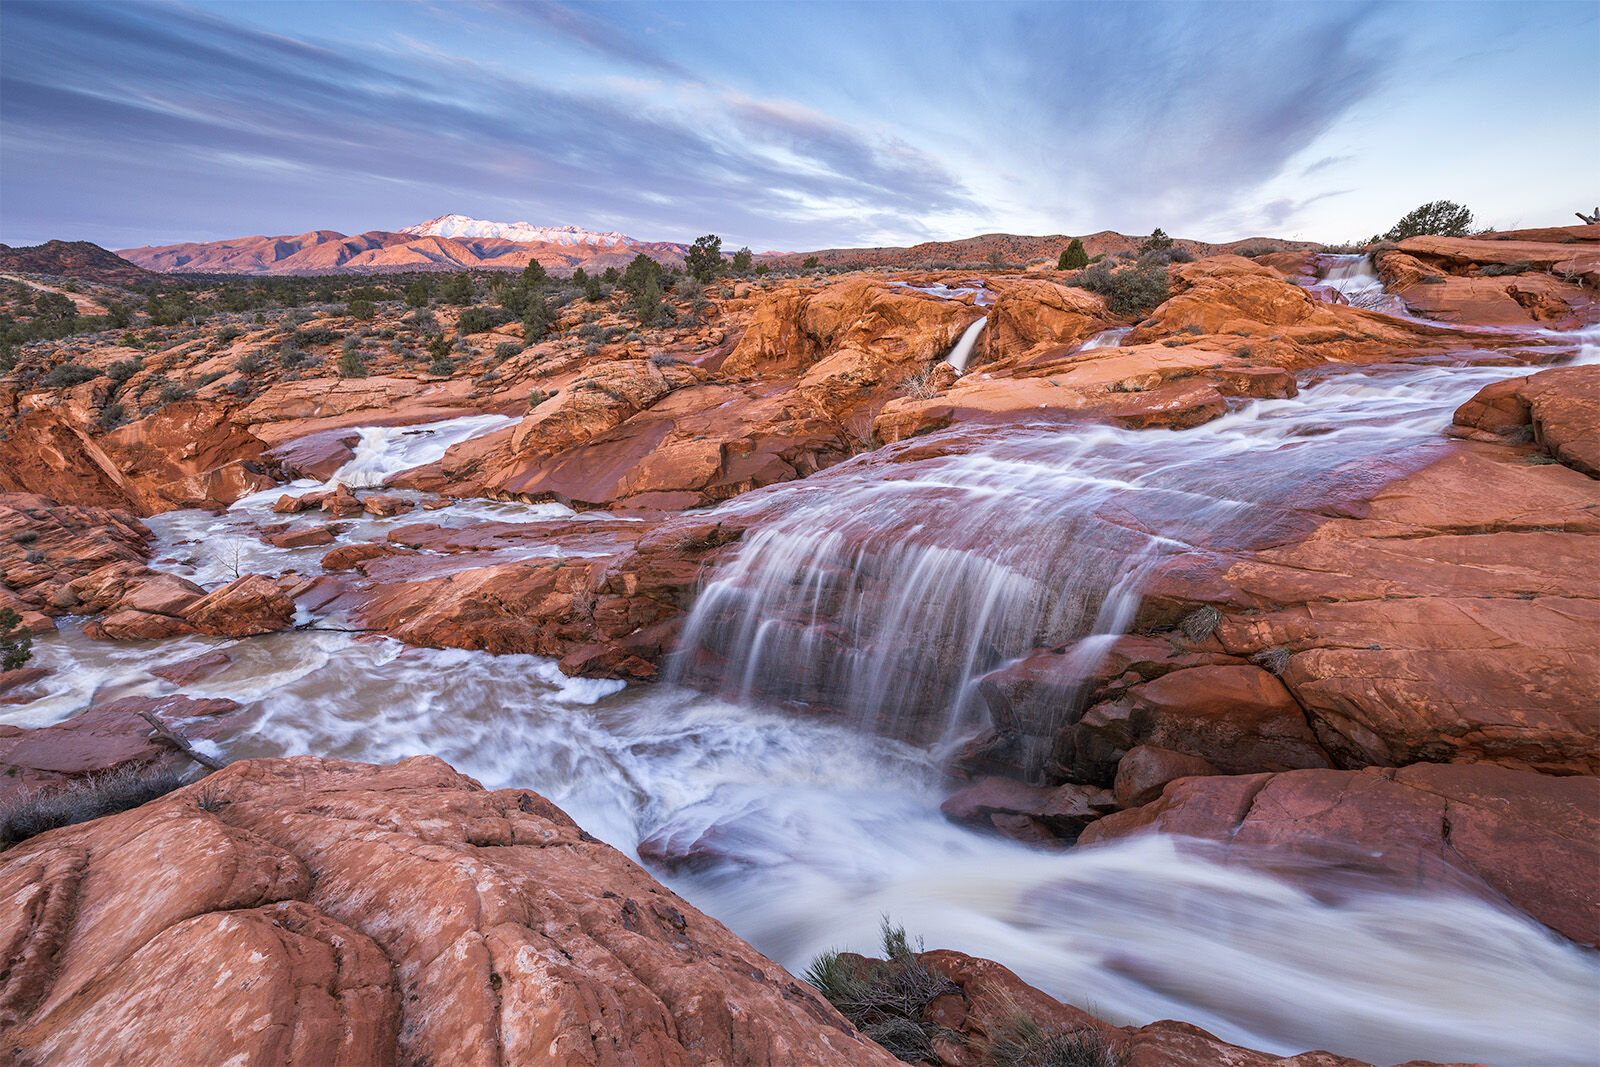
370 915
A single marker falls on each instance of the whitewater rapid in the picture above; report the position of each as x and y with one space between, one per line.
811 828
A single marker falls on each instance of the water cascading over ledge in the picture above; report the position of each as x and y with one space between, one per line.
886 586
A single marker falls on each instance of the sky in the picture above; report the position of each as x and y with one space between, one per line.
792 126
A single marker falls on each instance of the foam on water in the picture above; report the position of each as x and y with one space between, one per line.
810 829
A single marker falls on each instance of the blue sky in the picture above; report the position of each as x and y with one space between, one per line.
792 126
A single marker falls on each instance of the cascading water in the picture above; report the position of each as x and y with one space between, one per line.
807 830
963 350
384 451
885 585
1356 279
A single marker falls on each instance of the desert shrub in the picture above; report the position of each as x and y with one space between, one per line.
442 364
507 349
1255 251
123 369
112 416
1200 623
1157 241
810 263
68 375
481 319
209 377
316 335
252 362
1275 660
16 640
1126 291
172 393
1073 257
885 999
1496 270
361 309
1439 218
920 385
90 798
352 364
1021 1042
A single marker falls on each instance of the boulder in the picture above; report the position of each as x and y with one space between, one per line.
378 915
193 669
253 604
1028 812
1145 770
1533 839
307 537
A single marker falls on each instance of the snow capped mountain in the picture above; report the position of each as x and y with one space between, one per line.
464 226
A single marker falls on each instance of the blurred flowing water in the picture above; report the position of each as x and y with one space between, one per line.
807 828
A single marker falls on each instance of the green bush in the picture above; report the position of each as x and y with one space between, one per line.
1126 291
69 374
886 1000
16 640
1073 257
481 319
352 364
1437 218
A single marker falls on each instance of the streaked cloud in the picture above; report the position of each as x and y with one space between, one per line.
777 126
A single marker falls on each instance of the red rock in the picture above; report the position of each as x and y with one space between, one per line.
309 537
1146 769
193 669
14 684
106 737
348 557
1532 838
1556 407
189 454
383 506
69 543
293 505
124 625
249 605
380 915
340 503
1031 812
1239 718
983 1010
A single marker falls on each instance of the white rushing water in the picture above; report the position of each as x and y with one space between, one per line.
1356 279
963 350
809 828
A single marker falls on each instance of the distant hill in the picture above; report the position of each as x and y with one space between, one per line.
447 243
73 259
1014 248
460 242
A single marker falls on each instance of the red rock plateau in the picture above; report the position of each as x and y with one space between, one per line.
1392 678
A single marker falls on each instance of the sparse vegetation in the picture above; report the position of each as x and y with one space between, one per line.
885 999
1437 218
1024 1043
90 798
16 640
1200 623
1127 291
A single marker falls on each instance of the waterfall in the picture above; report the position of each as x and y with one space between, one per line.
1355 278
885 586
963 350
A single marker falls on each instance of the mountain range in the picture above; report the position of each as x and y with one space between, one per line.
460 242
447 243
